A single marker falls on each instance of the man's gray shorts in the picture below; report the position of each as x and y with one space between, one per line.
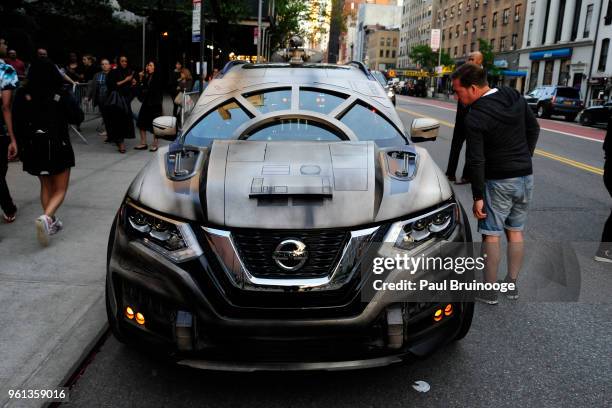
506 204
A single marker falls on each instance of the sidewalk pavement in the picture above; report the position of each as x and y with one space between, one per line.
52 299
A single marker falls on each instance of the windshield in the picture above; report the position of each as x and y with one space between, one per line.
380 77
369 124
220 123
294 129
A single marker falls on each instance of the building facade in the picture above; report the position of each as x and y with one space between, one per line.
558 42
600 81
348 39
500 22
416 27
371 18
382 47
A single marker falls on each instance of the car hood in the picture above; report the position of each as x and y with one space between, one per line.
294 185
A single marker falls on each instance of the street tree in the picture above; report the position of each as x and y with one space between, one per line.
427 59
488 57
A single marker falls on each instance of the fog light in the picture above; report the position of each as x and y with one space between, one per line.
129 313
437 315
140 318
448 310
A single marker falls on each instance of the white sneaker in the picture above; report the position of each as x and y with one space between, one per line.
43 228
56 226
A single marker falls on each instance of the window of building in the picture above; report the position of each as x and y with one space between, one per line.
452 12
494 20
381 53
464 49
548 72
608 17
387 54
587 21
468 6
382 41
576 21
459 8
603 55
483 23
388 42
457 31
472 47
395 42
517 12
466 28
476 4
474 25
455 53
502 44
506 16
564 72
443 36
532 11
529 32
445 14
493 44
393 54
514 41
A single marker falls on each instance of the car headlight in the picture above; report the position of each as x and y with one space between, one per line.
173 239
430 227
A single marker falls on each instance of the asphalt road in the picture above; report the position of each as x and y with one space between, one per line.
529 354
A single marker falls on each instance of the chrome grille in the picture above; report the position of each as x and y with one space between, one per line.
256 248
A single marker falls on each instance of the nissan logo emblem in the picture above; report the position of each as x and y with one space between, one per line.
290 255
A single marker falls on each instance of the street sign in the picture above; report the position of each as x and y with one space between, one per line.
195 20
435 39
255 35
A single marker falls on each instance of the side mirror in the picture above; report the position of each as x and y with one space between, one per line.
424 130
164 127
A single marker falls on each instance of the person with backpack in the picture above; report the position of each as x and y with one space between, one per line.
42 112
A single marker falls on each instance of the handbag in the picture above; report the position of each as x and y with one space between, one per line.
178 100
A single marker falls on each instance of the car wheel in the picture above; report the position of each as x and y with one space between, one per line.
585 119
466 322
542 113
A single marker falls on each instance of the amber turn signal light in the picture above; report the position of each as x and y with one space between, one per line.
140 318
129 313
438 315
448 310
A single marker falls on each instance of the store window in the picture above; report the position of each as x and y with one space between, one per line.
533 75
494 20
548 72
564 72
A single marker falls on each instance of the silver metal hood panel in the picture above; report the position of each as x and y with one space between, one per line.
153 189
301 185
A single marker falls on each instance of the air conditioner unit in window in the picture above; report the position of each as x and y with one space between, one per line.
482 27
517 17
473 29
464 32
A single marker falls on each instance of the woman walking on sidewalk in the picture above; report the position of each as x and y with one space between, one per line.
119 121
43 109
151 96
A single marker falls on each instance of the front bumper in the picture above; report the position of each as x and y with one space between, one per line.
194 317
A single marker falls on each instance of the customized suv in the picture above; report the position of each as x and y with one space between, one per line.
244 244
555 100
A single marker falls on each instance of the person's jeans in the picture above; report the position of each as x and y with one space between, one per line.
606 236
6 202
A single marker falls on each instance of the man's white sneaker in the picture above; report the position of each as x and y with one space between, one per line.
43 229
604 256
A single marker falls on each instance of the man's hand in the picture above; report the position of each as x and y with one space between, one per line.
12 150
478 209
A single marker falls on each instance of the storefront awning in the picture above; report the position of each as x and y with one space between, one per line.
550 54
510 73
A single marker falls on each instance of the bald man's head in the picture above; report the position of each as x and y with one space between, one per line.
476 57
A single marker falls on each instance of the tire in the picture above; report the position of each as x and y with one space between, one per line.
586 119
542 112
466 323
570 118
